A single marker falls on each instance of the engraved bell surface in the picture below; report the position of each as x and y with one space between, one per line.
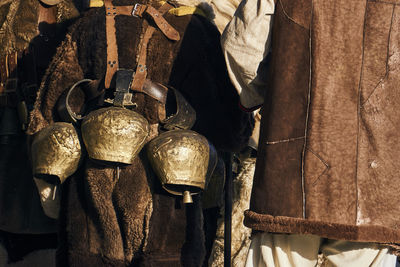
183 160
56 152
114 135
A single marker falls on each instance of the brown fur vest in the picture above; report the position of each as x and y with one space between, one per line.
132 221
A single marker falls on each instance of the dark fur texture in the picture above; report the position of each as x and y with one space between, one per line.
131 220
24 226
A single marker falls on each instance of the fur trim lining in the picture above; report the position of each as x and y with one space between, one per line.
291 225
19 27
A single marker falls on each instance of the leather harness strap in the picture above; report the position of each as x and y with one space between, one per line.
139 10
141 71
155 90
112 50
161 23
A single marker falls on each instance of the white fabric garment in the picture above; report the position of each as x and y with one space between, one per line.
290 250
245 43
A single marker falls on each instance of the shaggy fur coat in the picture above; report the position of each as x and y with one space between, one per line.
118 222
20 210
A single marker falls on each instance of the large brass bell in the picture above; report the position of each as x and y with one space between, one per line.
183 160
114 135
56 152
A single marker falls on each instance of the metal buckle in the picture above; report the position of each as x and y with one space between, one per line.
135 8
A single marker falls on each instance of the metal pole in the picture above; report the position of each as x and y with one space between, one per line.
228 209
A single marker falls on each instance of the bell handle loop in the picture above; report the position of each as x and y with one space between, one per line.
65 110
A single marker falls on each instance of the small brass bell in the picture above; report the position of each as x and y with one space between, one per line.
187 197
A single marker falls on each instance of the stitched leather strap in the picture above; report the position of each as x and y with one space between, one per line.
156 91
112 49
157 15
141 70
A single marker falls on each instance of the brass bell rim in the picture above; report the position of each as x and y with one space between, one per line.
53 174
109 163
180 193
110 160
178 189
50 2
54 179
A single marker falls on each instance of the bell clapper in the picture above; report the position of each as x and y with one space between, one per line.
187 197
54 192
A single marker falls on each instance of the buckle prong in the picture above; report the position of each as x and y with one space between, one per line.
135 9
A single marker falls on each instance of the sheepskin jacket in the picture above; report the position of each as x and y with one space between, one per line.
111 220
329 152
20 209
